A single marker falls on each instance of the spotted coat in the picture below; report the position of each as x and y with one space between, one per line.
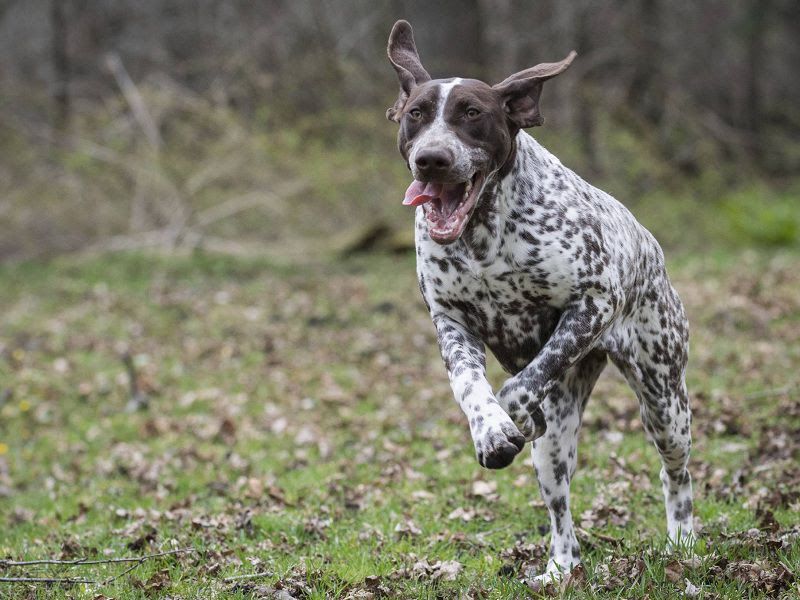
555 277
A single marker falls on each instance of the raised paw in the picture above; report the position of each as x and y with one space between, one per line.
532 425
498 444
526 413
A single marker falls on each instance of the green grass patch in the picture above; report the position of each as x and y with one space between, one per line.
300 425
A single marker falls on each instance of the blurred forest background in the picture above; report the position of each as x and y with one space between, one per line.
258 127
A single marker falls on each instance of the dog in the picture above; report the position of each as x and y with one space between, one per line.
516 252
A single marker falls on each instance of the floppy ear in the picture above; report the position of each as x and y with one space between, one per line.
404 58
520 92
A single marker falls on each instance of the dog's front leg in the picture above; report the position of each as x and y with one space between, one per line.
547 391
496 438
577 332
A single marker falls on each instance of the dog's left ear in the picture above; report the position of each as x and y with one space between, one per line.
520 92
404 58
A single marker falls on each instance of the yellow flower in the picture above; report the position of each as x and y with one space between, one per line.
3 448
24 406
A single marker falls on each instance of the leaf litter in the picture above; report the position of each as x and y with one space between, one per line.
275 437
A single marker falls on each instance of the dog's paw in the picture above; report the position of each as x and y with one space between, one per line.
498 444
532 425
525 411
554 574
681 542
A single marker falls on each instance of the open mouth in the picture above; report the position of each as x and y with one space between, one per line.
447 206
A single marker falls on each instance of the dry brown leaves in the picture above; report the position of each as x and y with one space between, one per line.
422 569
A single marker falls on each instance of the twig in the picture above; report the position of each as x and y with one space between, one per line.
134 99
137 561
606 538
147 239
108 580
233 206
68 581
83 561
600 536
248 576
496 529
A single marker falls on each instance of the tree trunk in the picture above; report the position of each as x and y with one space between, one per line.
645 94
584 106
61 67
755 32
499 39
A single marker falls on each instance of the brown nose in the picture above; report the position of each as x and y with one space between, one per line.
434 162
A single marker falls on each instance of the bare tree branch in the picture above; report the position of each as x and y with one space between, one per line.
134 99
238 204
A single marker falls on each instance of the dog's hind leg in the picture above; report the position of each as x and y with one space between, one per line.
674 441
555 457
654 364
667 421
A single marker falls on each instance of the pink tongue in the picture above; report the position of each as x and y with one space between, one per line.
420 193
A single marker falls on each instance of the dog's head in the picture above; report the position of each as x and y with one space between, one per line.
455 134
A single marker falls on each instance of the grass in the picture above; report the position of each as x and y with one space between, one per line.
300 424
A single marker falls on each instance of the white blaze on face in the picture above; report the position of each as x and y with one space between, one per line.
439 135
444 93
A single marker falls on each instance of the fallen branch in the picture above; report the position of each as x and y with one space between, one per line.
248 576
66 581
79 562
83 561
125 572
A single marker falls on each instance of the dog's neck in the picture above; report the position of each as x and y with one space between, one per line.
517 181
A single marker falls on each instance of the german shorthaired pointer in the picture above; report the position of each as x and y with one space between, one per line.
518 253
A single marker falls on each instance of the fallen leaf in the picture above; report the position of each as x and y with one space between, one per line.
447 570
407 529
484 489
422 495
691 590
674 571
575 578
462 513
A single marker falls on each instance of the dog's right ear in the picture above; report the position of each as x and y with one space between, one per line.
520 92
404 58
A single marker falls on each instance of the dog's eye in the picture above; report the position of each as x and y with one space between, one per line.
473 112
415 113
